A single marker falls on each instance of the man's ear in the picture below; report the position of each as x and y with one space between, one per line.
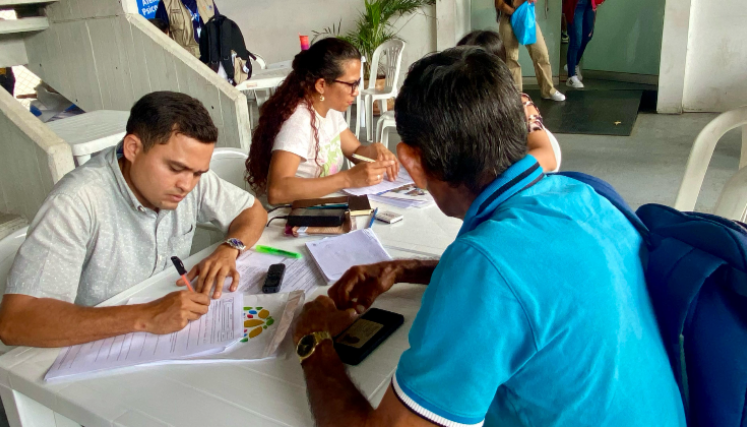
132 146
410 159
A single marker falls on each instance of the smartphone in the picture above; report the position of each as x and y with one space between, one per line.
316 217
274 279
365 334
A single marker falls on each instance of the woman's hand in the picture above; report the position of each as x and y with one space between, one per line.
383 154
365 174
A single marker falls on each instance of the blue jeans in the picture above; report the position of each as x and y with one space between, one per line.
580 32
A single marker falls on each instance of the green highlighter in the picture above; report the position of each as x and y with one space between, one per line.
274 251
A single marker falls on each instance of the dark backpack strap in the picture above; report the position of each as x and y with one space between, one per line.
224 35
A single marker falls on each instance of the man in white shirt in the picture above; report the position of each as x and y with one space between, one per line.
116 221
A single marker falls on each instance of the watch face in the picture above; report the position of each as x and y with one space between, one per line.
305 346
236 243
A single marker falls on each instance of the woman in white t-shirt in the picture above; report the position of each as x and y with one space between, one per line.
302 140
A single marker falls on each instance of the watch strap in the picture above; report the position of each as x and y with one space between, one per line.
319 337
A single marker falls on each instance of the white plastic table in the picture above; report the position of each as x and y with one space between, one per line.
268 393
269 78
91 132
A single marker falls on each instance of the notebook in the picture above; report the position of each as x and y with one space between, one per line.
335 255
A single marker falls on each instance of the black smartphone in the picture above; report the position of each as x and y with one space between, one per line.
316 217
365 334
274 279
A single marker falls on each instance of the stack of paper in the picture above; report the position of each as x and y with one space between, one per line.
406 197
238 326
212 333
335 255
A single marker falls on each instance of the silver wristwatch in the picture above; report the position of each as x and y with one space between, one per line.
236 244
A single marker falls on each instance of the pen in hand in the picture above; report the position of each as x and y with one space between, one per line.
182 271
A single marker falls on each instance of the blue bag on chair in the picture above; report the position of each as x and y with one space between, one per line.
524 23
696 271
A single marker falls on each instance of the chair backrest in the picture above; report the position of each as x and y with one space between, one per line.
259 61
701 154
696 272
8 249
230 165
392 50
555 149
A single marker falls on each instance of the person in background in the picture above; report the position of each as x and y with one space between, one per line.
161 25
537 51
536 315
302 139
8 79
116 221
538 142
186 19
581 15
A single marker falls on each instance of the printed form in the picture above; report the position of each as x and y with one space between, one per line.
300 274
210 334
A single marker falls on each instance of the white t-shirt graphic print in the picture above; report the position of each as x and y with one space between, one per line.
297 137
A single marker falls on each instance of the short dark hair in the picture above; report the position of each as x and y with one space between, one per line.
488 40
160 24
461 110
158 115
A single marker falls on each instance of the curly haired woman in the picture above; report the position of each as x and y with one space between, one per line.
299 147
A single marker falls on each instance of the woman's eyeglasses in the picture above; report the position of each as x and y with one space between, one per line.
353 86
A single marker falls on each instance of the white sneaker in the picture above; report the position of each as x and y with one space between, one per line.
574 82
556 96
578 72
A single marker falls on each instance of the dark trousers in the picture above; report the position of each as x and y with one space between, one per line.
580 32
7 79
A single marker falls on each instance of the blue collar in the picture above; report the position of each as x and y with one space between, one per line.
520 176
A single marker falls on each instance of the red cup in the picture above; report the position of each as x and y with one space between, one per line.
304 42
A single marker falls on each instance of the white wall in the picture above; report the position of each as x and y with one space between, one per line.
707 73
716 72
271 28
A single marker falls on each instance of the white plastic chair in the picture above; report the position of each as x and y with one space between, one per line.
555 149
392 50
229 165
359 107
386 120
8 250
732 202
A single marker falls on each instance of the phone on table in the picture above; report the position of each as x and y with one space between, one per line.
274 279
365 334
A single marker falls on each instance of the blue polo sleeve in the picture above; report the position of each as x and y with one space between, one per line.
469 337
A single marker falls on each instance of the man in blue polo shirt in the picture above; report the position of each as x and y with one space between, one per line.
538 313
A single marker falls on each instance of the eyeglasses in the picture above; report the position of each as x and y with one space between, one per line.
353 86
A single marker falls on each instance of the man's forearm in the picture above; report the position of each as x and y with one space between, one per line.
248 226
334 399
46 322
415 270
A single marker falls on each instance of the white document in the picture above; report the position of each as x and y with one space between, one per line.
267 318
300 274
210 334
335 255
402 179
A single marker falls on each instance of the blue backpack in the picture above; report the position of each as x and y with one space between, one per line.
696 274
